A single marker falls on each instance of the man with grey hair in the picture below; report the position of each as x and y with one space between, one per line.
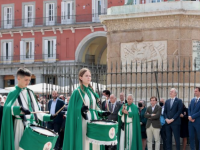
114 108
172 110
129 132
122 98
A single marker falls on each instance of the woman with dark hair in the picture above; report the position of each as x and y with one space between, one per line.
184 133
83 106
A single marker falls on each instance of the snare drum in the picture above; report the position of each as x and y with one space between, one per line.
38 138
102 132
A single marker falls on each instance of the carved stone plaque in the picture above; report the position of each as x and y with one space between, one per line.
196 54
144 54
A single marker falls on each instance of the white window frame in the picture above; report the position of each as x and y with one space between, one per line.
23 52
52 56
7 55
95 12
8 23
50 15
136 2
28 19
67 12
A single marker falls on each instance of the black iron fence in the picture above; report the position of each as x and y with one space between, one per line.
142 79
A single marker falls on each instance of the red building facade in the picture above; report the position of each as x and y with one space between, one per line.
34 32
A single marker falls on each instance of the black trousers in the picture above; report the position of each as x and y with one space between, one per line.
111 147
163 136
56 127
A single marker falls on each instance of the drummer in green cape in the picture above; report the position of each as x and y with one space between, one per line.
82 108
131 129
16 116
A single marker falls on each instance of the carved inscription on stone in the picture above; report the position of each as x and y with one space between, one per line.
196 55
145 54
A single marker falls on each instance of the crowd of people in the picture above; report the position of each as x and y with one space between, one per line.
139 127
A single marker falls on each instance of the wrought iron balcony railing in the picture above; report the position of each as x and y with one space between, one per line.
50 21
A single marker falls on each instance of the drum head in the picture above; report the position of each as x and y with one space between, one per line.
42 131
103 122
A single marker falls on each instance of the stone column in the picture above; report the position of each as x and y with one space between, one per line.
38 78
16 82
1 82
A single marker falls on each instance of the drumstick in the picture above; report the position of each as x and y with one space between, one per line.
60 110
39 112
82 97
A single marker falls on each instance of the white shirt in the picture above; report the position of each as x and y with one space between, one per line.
163 107
153 107
197 99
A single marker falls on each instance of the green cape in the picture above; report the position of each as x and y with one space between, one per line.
136 131
7 127
73 126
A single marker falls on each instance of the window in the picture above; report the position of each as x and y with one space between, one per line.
98 7
27 51
90 58
50 50
7 17
28 22
50 13
135 2
67 9
7 52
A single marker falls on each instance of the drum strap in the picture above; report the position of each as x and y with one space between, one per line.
32 105
23 117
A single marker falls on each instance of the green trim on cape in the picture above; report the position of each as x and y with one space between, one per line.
73 126
7 127
136 143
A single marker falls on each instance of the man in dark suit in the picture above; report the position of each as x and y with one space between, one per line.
114 108
106 93
54 105
153 125
122 98
194 118
172 111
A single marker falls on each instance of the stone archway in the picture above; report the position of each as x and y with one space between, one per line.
92 41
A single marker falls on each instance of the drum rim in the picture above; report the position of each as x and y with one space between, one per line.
43 128
111 121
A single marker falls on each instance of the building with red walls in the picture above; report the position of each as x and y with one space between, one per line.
64 31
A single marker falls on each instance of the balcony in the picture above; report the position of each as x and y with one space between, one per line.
23 59
50 21
155 6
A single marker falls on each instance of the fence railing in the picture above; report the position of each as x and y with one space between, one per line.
143 80
28 59
50 21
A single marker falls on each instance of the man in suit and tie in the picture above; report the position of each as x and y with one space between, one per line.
54 105
105 103
122 98
194 118
114 108
172 110
153 123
